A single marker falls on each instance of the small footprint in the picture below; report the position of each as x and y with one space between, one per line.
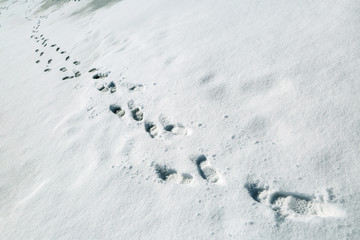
92 70
63 69
117 110
77 74
37 61
58 49
65 78
47 70
49 61
76 63
63 52
42 53
67 58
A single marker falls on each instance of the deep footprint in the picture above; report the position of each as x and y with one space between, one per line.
112 87
117 110
135 111
205 170
151 128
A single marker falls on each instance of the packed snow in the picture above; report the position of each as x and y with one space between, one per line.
181 119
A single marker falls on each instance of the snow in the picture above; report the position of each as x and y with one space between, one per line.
241 119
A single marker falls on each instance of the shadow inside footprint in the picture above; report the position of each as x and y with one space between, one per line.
201 159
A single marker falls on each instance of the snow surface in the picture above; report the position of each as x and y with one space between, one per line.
242 119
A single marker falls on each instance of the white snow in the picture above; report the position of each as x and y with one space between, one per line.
242 119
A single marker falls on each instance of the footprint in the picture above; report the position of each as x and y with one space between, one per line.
92 70
54 45
67 58
58 49
37 61
41 54
135 111
36 50
102 88
63 52
63 69
133 87
49 61
66 77
167 174
76 63
151 128
205 170
101 75
117 110
112 87
77 74
176 129
290 204
137 114
47 70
